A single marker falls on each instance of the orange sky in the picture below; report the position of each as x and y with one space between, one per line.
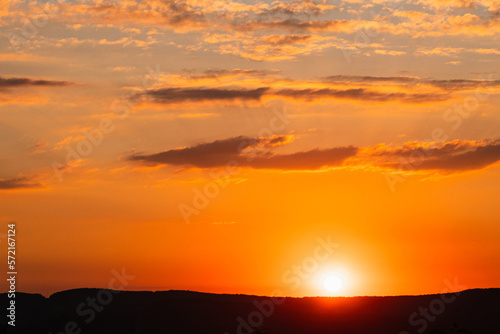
210 146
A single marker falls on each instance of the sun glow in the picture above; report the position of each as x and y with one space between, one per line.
333 283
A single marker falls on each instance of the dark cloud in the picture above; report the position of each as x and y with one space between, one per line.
244 151
290 16
172 95
205 155
452 84
303 8
479 158
173 14
450 157
220 73
458 84
364 88
306 160
19 82
449 148
356 78
286 39
18 183
180 14
293 25
359 94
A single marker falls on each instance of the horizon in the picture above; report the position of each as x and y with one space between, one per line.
295 148
259 296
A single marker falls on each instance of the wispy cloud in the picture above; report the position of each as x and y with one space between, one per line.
454 156
20 82
248 85
361 94
18 183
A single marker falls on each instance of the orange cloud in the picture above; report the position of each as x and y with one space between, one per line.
18 183
448 157
251 85
247 152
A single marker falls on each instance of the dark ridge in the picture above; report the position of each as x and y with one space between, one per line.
99 311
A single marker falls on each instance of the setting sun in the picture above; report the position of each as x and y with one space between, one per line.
334 280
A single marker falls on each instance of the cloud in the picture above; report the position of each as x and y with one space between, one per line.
390 53
249 152
463 84
295 25
185 15
21 82
487 51
271 31
215 73
205 155
306 8
448 85
360 94
370 79
271 47
301 23
305 160
449 157
171 14
286 39
463 4
173 95
441 51
180 12
257 153
121 68
12 92
177 95
18 183
38 147
256 85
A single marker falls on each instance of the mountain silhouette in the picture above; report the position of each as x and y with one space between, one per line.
99 311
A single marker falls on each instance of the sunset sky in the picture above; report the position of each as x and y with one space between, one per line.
218 146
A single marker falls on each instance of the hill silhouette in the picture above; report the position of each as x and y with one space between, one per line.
109 311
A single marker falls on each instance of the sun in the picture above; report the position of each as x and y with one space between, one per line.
332 283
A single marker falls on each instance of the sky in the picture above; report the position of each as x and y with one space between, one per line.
256 147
